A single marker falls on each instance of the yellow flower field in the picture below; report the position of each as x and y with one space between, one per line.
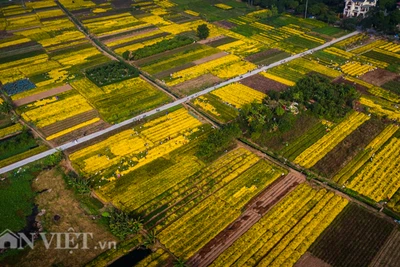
57 111
106 24
353 166
40 4
318 150
223 6
77 4
202 103
10 129
380 178
87 88
382 108
138 146
277 79
356 68
77 57
14 42
238 95
285 233
339 52
225 68
193 13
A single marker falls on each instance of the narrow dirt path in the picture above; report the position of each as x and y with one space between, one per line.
38 96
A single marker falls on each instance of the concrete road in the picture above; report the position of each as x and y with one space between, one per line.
167 106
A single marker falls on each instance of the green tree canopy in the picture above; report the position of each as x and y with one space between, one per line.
203 31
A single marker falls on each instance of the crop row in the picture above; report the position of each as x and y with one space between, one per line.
380 178
381 108
318 150
10 129
218 210
284 234
356 68
155 140
238 95
362 157
57 111
225 68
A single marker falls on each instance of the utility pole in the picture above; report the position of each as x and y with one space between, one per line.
305 12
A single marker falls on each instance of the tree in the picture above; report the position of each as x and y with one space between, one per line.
5 107
203 31
218 140
125 55
122 225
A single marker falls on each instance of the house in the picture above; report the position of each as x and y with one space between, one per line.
355 8
9 240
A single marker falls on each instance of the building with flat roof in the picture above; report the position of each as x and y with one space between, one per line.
355 8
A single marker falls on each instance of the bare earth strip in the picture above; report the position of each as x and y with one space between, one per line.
379 77
120 37
262 84
389 255
209 40
69 122
309 260
92 128
210 58
258 208
196 84
166 73
42 95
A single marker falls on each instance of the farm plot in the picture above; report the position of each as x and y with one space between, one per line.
381 107
356 68
224 68
363 156
238 95
293 71
297 146
267 57
52 110
285 233
227 196
10 130
309 157
349 240
213 106
175 60
130 149
55 34
126 98
343 152
379 77
387 255
380 178
382 55
223 103
263 84
393 86
112 24
18 147
157 258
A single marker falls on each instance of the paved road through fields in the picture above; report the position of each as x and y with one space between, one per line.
167 106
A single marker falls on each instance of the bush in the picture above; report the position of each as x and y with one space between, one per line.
203 31
112 72
218 140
